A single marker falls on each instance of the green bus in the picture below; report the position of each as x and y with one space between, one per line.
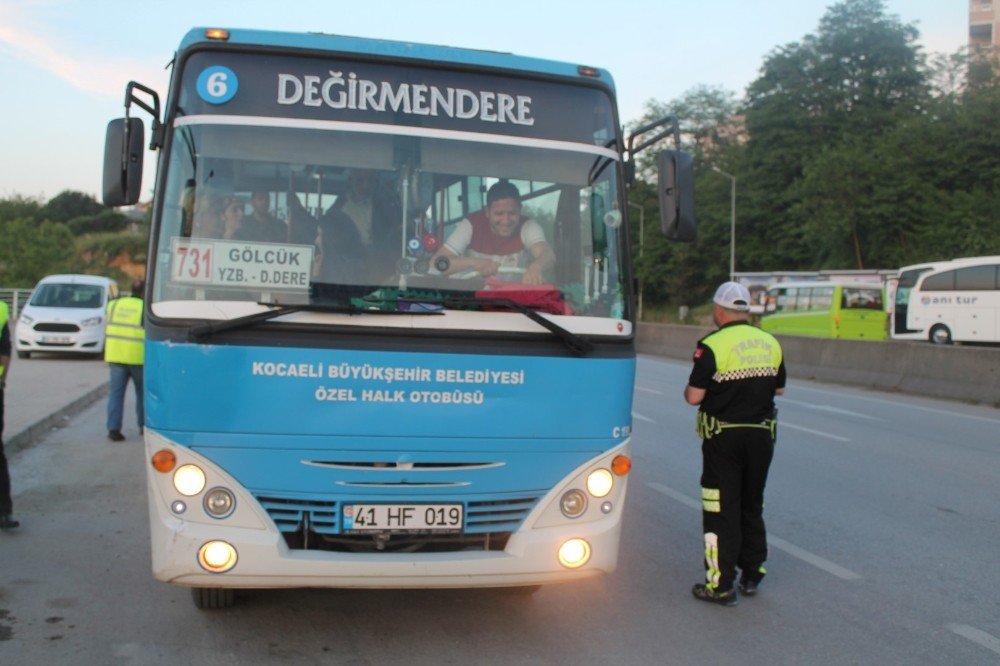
826 310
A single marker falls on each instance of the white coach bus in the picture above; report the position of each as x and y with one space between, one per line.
957 301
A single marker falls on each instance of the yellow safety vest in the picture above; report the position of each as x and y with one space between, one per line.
4 314
123 333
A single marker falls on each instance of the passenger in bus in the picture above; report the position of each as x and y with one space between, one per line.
207 216
338 259
358 236
233 213
499 241
261 225
375 216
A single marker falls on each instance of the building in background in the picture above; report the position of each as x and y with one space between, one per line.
984 23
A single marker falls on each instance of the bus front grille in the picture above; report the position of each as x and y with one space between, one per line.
314 524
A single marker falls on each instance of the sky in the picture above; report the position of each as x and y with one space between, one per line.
64 64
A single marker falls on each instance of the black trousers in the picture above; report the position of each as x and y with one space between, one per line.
734 471
6 506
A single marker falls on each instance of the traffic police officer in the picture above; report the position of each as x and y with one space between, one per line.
737 371
6 505
123 350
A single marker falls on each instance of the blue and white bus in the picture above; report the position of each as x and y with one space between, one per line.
326 404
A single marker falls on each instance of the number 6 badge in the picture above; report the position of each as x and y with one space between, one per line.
217 85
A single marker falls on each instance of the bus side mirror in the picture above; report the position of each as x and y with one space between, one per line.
123 152
675 182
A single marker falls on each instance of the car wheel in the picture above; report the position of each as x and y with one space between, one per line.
212 598
940 335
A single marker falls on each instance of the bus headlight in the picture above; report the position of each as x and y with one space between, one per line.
189 480
217 556
574 553
219 502
573 503
599 483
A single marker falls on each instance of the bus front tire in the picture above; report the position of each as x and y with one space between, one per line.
940 335
212 598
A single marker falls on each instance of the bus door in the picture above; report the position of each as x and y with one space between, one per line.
862 313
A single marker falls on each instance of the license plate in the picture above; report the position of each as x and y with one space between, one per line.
56 339
403 518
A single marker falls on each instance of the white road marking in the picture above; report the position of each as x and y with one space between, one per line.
977 636
648 390
828 408
637 415
868 398
790 548
819 433
815 560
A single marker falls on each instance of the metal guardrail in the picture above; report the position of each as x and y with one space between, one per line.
15 300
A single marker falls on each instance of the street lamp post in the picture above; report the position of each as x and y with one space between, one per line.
732 223
642 245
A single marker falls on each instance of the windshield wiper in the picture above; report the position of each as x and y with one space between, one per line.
281 309
576 343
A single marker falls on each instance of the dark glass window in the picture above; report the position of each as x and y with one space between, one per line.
976 278
940 282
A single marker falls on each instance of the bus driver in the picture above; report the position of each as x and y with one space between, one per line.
497 239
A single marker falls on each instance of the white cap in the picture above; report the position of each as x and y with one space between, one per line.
732 296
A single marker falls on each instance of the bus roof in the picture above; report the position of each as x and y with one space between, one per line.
854 284
947 263
428 53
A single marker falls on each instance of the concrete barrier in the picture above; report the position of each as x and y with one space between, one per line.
970 374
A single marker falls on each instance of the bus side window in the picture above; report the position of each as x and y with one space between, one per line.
822 298
771 305
941 282
976 278
804 301
782 304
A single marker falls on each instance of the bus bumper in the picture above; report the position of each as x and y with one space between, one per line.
264 560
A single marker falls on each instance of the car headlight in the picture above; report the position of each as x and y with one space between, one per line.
189 480
219 502
574 553
573 503
92 321
26 320
217 556
599 482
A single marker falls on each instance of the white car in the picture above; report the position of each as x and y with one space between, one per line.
65 314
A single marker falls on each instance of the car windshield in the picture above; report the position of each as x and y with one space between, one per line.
59 295
384 216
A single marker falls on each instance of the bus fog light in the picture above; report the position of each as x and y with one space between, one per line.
189 480
574 553
599 482
219 502
573 503
606 507
178 507
217 556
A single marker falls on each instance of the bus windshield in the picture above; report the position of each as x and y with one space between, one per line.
266 202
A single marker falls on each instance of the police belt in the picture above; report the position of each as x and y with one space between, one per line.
707 426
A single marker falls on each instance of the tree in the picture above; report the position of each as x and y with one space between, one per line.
106 220
70 204
19 208
841 88
29 252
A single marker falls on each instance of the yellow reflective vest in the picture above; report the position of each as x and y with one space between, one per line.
123 334
4 314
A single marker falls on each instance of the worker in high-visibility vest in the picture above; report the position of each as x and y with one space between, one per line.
6 504
737 371
124 340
